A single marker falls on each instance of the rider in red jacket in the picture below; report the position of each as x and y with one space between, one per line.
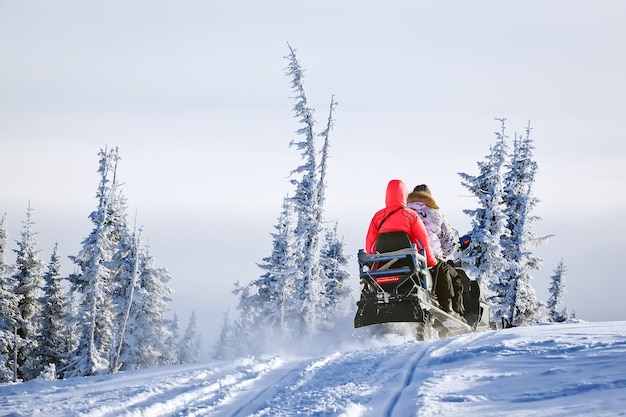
396 217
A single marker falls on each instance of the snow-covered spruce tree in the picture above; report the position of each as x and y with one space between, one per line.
147 329
245 341
330 125
28 278
92 283
290 301
124 268
73 327
53 348
151 318
269 305
557 289
334 262
227 340
190 344
310 285
484 258
333 257
171 341
5 268
123 265
282 270
9 316
224 341
519 242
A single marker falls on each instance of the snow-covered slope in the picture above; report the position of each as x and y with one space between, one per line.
557 370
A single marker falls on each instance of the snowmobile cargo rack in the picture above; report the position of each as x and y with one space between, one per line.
402 262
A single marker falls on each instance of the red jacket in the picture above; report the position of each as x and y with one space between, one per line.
398 218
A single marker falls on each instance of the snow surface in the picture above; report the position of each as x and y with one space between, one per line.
576 369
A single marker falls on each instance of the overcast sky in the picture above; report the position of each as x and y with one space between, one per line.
195 96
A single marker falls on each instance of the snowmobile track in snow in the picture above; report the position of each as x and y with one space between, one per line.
252 404
580 366
193 393
407 381
416 364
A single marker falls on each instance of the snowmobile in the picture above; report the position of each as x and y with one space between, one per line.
396 286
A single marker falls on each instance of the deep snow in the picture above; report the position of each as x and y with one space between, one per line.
576 369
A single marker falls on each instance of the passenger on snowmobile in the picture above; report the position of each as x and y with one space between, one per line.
443 238
443 242
396 217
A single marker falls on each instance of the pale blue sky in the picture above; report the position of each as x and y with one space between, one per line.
195 96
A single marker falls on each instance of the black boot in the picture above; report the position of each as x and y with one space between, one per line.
457 303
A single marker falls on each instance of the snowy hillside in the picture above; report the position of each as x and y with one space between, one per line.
557 370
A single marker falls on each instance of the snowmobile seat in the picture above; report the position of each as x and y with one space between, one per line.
393 241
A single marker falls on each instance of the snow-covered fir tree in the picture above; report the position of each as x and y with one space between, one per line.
245 340
171 342
97 316
503 239
226 340
301 288
310 285
190 344
268 305
333 258
28 278
144 343
334 264
73 327
121 296
484 258
330 125
519 242
122 266
53 343
557 290
152 348
125 269
5 268
9 314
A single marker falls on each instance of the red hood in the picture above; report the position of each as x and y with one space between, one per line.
397 193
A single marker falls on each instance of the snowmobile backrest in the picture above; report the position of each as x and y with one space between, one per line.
391 241
394 248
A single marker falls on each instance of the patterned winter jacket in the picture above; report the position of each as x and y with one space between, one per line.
395 217
443 239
